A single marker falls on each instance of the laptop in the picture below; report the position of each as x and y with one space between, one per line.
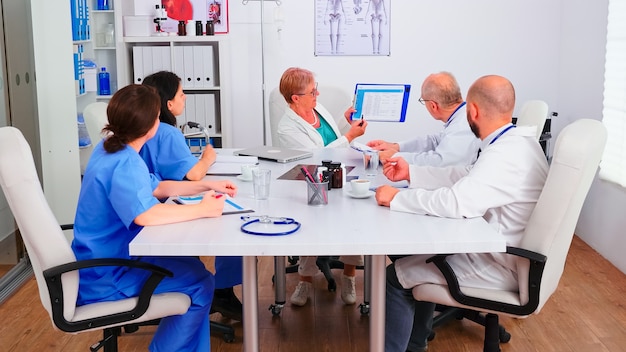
277 154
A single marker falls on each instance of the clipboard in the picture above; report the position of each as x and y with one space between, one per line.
381 102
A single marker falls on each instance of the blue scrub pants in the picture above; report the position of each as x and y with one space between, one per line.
228 271
190 331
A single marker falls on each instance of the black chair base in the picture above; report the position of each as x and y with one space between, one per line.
494 332
109 340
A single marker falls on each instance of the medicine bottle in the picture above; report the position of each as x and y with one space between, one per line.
337 175
198 27
103 5
104 82
182 30
210 28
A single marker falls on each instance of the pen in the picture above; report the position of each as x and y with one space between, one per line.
362 120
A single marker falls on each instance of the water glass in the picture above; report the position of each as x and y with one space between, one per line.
261 179
370 162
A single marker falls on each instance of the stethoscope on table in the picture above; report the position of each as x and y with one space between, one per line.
269 220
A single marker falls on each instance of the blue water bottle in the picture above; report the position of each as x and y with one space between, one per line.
104 82
103 5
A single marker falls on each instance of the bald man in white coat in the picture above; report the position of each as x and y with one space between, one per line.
502 186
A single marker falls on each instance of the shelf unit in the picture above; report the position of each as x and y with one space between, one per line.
218 92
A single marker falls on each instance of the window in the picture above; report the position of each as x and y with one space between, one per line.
613 165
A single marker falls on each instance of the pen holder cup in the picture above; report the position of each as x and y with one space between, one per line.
317 193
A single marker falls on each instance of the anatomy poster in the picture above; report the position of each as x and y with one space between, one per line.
352 27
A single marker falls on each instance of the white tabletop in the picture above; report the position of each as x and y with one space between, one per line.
345 226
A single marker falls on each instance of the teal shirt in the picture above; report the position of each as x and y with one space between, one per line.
327 133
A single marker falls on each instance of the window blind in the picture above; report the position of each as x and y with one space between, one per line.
613 164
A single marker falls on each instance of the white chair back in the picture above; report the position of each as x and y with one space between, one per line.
577 154
95 115
277 106
533 113
336 101
46 245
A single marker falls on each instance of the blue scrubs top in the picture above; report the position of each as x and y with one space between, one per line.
116 188
174 157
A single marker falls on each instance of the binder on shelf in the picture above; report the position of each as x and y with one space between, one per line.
137 65
166 57
188 67
190 108
179 63
210 113
199 109
198 67
147 61
207 66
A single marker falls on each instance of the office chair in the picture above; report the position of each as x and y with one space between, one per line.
533 113
543 249
95 115
55 265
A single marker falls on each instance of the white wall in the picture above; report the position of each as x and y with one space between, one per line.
583 41
551 50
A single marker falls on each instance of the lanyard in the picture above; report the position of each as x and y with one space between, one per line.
264 219
452 117
501 133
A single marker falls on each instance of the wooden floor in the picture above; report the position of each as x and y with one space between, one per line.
587 313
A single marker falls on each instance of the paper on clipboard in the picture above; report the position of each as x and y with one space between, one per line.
381 102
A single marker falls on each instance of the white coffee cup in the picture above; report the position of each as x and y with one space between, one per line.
246 171
360 186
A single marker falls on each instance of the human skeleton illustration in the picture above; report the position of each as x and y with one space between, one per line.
335 16
377 15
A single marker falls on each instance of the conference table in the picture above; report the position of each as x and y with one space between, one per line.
345 226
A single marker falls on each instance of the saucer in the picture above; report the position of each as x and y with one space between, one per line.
360 196
241 178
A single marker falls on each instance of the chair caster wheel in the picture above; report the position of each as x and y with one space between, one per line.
505 337
228 338
365 308
276 309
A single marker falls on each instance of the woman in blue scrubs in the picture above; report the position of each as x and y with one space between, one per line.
118 197
169 158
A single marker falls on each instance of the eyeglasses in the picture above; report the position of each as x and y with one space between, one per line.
423 101
312 93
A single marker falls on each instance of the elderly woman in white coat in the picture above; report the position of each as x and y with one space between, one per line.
307 124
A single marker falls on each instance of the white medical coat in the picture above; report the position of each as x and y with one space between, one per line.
503 187
456 144
294 132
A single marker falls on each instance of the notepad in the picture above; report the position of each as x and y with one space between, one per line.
230 206
230 165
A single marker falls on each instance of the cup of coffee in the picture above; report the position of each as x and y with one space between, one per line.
359 186
246 171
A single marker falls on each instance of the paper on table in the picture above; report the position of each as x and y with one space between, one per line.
230 164
230 206
359 146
